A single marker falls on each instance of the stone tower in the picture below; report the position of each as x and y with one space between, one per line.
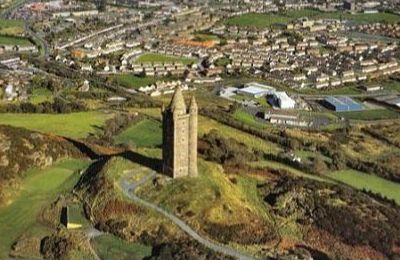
180 137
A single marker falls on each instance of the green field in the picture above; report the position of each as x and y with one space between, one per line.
154 57
40 95
110 247
367 115
146 133
369 182
13 40
248 119
266 20
38 189
11 27
74 125
135 82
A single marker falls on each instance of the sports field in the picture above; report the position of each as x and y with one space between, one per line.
38 189
267 20
74 125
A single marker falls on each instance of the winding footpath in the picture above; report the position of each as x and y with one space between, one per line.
129 190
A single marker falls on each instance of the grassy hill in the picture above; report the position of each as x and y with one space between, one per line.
37 190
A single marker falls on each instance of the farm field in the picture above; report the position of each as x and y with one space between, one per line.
145 133
74 125
38 189
14 40
369 182
153 57
110 247
11 27
375 114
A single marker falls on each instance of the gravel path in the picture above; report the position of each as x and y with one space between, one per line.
129 189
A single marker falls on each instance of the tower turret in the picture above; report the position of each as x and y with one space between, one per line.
177 105
193 121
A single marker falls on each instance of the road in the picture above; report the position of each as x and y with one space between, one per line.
44 46
109 29
129 190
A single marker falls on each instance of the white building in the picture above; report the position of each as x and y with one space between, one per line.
281 99
256 90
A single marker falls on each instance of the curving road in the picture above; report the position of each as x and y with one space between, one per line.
129 189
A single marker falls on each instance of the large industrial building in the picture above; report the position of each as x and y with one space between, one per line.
282 100
256 90
342 104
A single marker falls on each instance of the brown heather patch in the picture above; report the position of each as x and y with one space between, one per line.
324 241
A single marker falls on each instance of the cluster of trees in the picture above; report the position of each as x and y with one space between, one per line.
59 106
225 151
113 126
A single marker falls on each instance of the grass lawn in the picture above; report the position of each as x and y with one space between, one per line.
369 182
145 133
154 57
11 27
110 247
39 188
74 125
135 82
376 114
13 40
